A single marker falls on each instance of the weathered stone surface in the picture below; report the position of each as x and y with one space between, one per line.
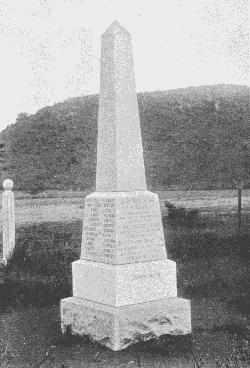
118 285
123 227
117 328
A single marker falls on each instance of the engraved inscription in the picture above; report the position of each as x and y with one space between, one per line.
140 227
99 216
145 276
123 230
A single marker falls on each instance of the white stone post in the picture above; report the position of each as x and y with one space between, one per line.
8 218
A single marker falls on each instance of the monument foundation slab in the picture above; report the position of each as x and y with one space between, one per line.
117 328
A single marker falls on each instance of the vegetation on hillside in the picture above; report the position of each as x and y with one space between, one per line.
193 138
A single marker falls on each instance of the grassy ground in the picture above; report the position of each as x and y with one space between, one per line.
213 271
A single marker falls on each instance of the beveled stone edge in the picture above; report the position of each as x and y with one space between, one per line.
110 309
110 266
131 194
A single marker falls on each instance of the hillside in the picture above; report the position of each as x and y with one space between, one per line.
193 138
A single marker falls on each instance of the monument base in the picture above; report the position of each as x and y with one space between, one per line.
119 285
119 327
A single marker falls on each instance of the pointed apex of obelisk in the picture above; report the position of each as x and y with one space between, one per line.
115 23
116 27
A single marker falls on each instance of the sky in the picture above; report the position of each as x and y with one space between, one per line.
52 48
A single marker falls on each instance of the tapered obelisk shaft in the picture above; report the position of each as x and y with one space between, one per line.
120 164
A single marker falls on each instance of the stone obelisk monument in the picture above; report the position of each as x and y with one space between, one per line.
124 287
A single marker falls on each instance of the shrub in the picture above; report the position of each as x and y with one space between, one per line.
182 216
35 186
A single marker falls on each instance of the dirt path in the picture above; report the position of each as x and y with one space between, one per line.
36 214
212 202
65 212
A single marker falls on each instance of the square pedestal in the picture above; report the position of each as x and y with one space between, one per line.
117 328
126 284
122 227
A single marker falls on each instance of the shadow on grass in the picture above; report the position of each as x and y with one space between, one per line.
21 294
37 276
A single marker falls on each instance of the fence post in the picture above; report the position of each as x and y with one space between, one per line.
239 211
240 187
8 217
